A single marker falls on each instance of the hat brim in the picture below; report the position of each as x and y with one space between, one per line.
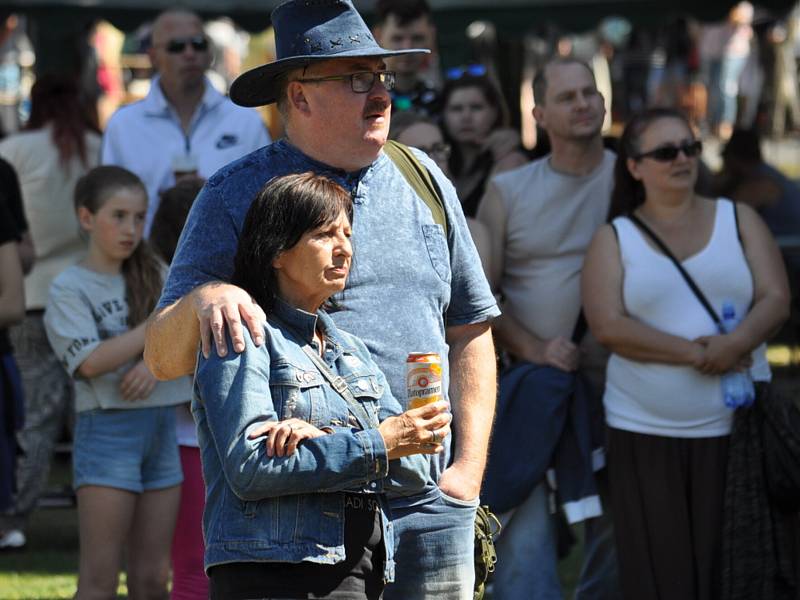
259 86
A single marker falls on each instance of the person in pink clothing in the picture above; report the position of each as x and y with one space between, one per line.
189 580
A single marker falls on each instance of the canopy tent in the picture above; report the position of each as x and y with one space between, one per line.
509 15
55 25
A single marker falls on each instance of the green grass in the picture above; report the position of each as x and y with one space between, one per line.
47 568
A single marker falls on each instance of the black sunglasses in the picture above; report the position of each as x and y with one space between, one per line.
199 43
670 153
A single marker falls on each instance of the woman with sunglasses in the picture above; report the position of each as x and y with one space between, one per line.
475 123
668 425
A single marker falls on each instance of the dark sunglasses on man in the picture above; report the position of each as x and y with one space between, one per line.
670 152
199 43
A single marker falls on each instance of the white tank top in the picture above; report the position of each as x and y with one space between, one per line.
672 400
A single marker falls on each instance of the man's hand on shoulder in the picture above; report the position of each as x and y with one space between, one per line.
219 305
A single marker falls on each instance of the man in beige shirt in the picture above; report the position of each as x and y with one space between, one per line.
541 218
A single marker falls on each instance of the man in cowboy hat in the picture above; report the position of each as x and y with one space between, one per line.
414 286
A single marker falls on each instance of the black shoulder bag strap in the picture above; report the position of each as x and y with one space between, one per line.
340 385
688 278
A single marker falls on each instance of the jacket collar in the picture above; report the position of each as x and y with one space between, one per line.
303 324
157 105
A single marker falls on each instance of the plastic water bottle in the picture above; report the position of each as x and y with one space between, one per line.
737 386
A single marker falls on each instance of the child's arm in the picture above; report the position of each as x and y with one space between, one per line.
73 332
138 383
113 353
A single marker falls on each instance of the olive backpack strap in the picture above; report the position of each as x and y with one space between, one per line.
419 178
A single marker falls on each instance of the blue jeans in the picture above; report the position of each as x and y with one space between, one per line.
434 553
526 552
730 73
527 563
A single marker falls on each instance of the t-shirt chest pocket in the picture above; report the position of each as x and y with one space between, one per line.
297 393
438 252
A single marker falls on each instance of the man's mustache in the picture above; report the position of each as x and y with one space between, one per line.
375 107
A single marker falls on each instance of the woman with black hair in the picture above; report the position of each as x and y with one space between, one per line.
668 423
299 435
475 123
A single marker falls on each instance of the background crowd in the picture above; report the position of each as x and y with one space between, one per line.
548 163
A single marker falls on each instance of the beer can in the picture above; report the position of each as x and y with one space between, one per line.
423 378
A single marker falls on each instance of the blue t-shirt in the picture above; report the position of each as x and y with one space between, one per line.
407 278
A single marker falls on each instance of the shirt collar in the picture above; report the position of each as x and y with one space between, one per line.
157 104
347 178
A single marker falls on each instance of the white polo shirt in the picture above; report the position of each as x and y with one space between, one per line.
146 136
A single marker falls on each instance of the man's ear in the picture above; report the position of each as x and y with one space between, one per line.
432 43
151 54
276 262
297 97
538 114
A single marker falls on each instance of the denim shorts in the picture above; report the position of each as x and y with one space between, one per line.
130 449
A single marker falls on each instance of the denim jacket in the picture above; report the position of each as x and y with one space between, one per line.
290 509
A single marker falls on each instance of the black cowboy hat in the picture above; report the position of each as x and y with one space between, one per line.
307 31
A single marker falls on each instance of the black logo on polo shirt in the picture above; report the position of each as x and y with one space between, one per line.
226 140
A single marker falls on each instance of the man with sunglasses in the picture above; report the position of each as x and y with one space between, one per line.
541 218
414 286
183 126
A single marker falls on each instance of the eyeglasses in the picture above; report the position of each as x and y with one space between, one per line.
670 153
360 82
438 151
199 43
474 70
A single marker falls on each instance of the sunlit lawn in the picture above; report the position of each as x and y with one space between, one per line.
47 568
